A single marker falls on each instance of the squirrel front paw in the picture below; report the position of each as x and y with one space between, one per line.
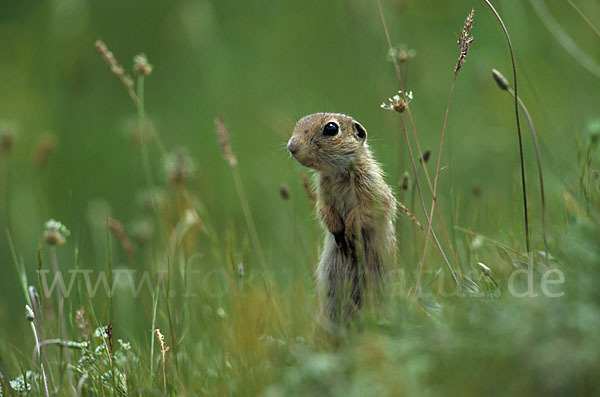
340 241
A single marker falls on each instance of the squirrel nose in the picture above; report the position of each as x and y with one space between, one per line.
292 147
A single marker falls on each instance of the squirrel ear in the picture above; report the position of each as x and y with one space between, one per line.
361 133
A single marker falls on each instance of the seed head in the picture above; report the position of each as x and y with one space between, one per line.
284 191
485 270
179 166
161 340
223 135
405 181
141 66
500 80
465 40
82 323
398 102
111 61
401 53
426 156
29 315
55 233
240 270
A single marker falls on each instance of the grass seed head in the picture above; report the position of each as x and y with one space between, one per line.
179 166
500 80
118 231
405 181
141 66
161 340
426 156
401 53
112 63
82 323
284 191
55 233
465 40
223 135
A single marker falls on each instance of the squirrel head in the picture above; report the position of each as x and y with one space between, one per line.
327 141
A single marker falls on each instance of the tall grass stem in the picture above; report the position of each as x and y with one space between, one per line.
521 158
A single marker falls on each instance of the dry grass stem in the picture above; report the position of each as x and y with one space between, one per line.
223 135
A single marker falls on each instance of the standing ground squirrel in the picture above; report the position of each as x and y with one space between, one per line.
355 205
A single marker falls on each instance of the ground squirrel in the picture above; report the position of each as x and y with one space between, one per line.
355 205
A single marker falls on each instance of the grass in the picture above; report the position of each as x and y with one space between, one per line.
214 295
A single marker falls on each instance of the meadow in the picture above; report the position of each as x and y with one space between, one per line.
157 238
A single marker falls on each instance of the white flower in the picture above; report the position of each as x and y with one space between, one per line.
398 102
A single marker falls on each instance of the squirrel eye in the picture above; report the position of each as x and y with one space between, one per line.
330 129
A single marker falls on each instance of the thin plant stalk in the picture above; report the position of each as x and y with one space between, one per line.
418 184
582 15
435 182
109 270
299 242
521 158
540 173
61 315
141 113
399 77
7 190
31 318
229 156
248 215
464 41
169 315
154 308
563 38
408 111
38 321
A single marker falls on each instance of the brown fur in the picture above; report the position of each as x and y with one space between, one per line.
356 207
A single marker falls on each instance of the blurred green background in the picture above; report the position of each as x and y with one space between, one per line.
261 65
